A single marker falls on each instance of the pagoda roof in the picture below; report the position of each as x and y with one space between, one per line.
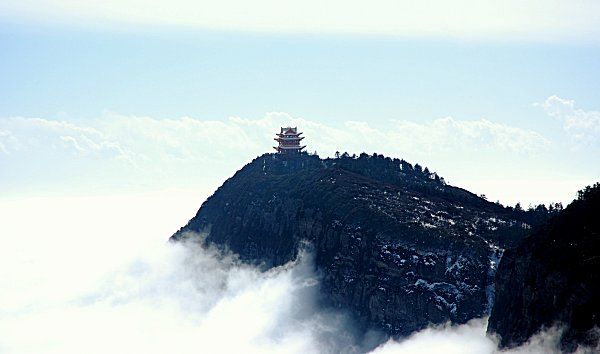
289 130
287 133
290 147
289 138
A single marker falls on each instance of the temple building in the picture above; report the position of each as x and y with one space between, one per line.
289 141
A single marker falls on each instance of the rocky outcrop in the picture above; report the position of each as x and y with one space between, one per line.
553 278
395 245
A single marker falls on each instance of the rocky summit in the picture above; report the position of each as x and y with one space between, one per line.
396 246
553 278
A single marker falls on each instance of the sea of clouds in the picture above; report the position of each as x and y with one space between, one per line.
97 275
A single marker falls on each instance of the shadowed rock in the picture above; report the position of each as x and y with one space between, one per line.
395 245
553 278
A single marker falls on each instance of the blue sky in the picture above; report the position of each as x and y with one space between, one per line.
76 73
519 82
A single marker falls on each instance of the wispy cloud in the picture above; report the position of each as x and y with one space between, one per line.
31 134
145 153
402 137
470 338
7 141
472 134
188 140
582 126
548 20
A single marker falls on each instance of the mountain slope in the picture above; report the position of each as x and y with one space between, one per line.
553 277
396 246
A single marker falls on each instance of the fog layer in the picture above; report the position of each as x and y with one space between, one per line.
96 275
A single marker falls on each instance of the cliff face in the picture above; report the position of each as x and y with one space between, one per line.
553 277
396 246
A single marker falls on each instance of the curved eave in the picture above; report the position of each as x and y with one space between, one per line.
288 147
289 139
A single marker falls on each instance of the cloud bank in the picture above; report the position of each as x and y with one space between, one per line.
130 137
549 20
71 286
131 153
96 275
582 126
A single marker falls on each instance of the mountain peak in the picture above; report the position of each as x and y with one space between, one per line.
396 245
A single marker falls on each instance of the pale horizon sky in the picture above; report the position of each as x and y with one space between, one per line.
106 98
513 20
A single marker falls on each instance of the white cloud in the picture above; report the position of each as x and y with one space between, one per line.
582 126
472 134
44 134
464 339
405 136
547 20
7 141
471 338
149 153
95 275
187 139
